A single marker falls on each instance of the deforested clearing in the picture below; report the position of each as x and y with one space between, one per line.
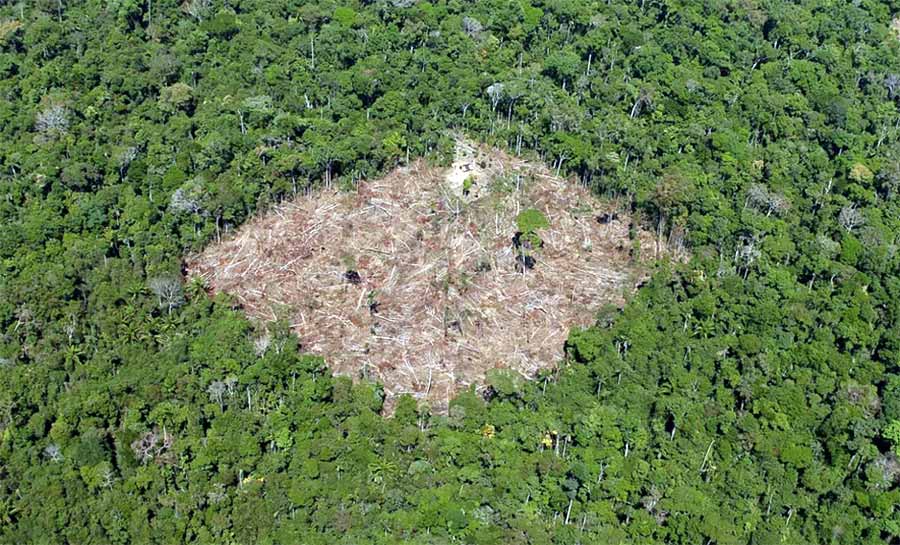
418 280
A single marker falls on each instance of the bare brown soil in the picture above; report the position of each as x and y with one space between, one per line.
438 300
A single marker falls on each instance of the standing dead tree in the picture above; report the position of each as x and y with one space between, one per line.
472 27
152 446
850 218
746 254
53 452
644 100
764 200
198 9
52 121
169 294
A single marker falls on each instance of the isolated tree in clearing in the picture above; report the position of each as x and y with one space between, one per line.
527 240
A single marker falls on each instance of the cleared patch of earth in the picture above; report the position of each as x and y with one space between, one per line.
411 282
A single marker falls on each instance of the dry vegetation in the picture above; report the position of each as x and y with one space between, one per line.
438 300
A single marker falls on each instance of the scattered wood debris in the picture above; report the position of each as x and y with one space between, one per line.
412 283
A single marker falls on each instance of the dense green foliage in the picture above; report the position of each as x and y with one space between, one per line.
750 396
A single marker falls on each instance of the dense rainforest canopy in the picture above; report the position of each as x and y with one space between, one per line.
751 395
